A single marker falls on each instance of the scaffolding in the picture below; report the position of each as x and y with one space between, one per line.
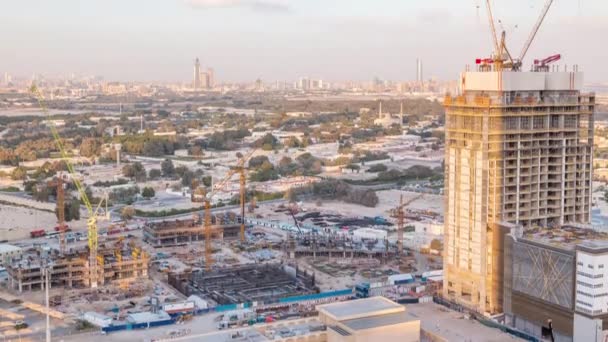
181 232
71 269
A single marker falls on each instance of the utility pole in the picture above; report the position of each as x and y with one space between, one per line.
46 289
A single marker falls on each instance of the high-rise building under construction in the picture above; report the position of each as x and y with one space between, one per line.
519 149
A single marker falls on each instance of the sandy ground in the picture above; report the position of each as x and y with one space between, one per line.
17 222
388 199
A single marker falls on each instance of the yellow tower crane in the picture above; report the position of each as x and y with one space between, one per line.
401 219
92 219
240 169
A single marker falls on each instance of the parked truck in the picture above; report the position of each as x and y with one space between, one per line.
37 233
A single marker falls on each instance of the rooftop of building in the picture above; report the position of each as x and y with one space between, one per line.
568 236
521 80
365 323
145 317
8 248
366 308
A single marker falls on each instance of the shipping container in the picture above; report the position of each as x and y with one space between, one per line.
182 307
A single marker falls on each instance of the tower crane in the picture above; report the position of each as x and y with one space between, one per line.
501 53
58 184
240 169
401 219
92 211
535 29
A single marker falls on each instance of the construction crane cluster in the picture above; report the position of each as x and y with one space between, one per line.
239 169
502 58
92 211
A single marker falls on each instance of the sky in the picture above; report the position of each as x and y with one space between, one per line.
157 40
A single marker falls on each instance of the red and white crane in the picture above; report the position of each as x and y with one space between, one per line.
501 58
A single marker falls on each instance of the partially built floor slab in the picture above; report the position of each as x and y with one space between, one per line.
246 283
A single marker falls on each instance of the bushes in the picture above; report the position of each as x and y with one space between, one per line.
339 190
416 172
107 184
148 192
377 168
135 171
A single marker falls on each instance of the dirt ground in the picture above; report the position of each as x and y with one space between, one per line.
17 222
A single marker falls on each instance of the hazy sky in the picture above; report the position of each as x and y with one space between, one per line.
286 39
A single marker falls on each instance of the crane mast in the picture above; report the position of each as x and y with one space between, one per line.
208 231
502 58
92 219
492 28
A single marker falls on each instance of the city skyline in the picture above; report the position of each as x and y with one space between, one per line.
347 41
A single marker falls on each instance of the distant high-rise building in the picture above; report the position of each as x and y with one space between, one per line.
304 83
197 74
519 149
419 76
210 78
203 79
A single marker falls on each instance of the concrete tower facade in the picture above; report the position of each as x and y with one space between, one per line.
519 149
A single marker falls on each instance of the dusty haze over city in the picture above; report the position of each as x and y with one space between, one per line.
284 39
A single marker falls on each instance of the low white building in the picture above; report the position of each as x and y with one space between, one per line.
369 234
97 319
369 319
8 252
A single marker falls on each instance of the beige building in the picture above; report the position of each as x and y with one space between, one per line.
368 320
519 149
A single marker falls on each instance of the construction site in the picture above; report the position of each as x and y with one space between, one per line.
115 264
245 283
180 232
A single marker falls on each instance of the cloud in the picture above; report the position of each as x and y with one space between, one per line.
256 5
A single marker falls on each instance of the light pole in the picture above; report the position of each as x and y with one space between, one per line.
46 290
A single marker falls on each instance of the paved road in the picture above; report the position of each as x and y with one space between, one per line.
200 325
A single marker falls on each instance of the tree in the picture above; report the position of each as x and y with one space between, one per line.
167 168
127 213
180 170
187 178
196 151
290 196
353 167
154 174
155 148
293 142
377 168
268 142
72 210
19 173
436 245
40 194
90 147
135 171
148 192
257 161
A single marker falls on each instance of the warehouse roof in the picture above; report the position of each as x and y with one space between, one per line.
377 321
360 308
